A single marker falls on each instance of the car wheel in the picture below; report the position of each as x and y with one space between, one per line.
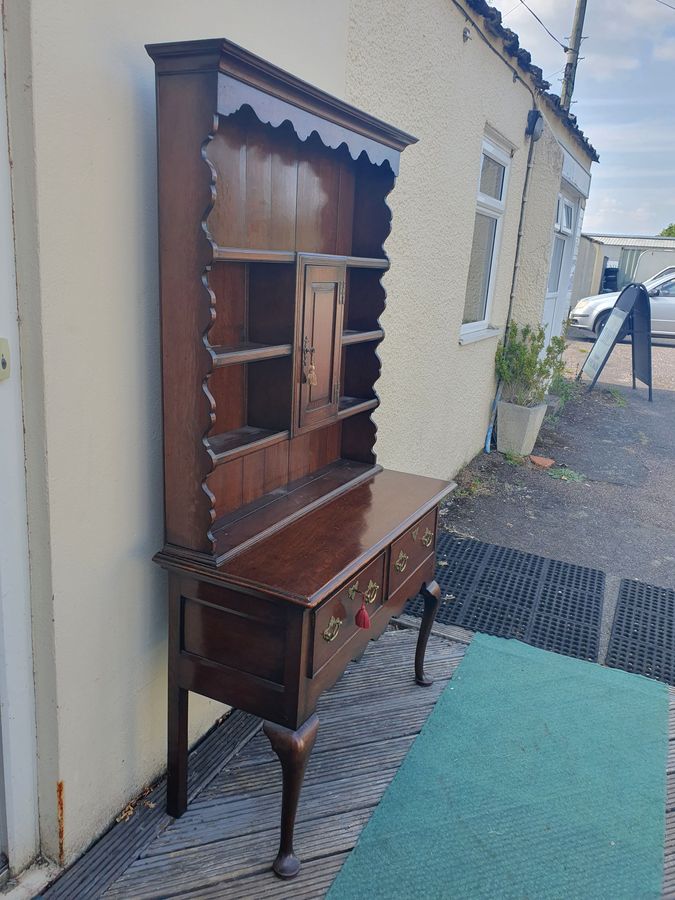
600 322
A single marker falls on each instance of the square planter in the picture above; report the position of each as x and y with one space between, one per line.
518 427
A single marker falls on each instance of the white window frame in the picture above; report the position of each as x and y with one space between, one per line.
560 218
489 206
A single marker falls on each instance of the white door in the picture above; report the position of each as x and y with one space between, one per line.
556 301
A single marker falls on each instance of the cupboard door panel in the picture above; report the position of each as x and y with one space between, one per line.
319 344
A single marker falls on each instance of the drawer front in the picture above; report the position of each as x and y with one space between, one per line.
411 549
424 573
334 623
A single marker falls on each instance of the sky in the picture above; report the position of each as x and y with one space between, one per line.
624 100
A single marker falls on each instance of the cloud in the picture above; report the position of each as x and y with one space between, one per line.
605 66
665 51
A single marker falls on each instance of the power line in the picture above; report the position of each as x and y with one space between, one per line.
663 3
547 30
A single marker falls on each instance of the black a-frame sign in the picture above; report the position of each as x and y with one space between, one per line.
631 309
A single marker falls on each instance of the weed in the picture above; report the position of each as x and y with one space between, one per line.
474 487
615 394
562 473
513 459
565 390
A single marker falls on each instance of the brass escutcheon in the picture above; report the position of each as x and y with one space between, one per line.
353 590
427 537
401 562
415 532
371 592
330 632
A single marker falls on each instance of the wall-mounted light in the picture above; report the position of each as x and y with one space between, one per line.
466 34
535 124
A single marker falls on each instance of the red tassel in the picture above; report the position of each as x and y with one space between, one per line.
362 618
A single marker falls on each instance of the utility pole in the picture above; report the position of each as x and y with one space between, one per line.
573 55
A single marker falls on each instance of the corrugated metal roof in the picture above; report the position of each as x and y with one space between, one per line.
637 242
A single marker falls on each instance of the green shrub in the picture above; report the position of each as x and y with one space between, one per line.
524 368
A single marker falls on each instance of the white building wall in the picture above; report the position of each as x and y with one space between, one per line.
18 773
412 66
83 133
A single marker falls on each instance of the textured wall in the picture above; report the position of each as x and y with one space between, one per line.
535 249
408 64
87 259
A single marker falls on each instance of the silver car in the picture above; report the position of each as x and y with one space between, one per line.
592 313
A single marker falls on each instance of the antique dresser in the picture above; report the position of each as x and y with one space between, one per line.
288 548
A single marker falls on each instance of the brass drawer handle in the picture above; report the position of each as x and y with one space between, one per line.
370 594
401 562
427 537
330 632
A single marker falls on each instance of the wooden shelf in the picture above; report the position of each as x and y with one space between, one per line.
367 262
249 352
350 406
241 441
239 254
350 336
249 524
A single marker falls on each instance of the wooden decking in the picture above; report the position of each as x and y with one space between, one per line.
223 846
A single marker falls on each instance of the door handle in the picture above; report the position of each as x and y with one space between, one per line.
308 367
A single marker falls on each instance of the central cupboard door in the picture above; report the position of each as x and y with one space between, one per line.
319 344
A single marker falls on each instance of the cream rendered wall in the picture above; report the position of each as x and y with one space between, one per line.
408 63
536 244
82 128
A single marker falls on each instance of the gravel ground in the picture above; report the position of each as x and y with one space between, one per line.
609 503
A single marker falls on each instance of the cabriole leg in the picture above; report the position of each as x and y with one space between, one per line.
432 597
293 749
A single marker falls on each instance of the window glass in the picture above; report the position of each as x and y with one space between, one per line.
556 264
475 301
491 178
667 289
568 216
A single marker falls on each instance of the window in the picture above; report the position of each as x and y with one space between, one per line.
564 217
667 289
556 265
494 168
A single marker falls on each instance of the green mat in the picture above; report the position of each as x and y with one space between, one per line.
536 776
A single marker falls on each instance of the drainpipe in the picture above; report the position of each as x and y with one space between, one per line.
516 266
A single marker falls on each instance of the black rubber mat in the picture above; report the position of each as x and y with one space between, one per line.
549 604
643 632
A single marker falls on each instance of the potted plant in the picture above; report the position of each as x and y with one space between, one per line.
525 370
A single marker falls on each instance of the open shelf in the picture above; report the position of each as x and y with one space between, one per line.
350 406
240 254
352 336
232 444
248 352
249 524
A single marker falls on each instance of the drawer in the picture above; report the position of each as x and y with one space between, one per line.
334 623
424 573
411 549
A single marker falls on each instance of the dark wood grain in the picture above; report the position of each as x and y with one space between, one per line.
282 531
293 749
